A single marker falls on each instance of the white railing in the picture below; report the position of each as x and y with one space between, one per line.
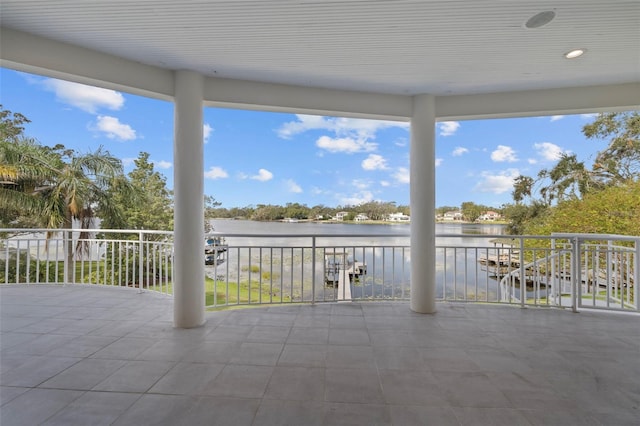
139 259
605 270
295 268
563 270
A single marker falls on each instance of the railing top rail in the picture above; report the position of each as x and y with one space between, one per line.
348 235
377 235
306 235
77 230
502 237
596 236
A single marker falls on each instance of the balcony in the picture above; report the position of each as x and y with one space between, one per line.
104 350
562 270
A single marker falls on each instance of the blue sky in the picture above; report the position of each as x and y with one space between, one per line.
274 158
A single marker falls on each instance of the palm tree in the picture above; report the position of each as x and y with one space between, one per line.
56 186
19 177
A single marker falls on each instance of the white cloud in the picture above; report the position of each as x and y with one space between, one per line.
216 173
263 175
354 127
459 151
292 186
401 175
532 161
385 183
206 132
439 161
348 145
549 151
374 162
360 184
556 117
588 116
448 128
357 199
304 123
497 183
504 153
162 164
114 129
401 142
87 98
128 161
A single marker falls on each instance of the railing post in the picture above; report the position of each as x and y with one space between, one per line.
65 257
523 275
575 275
313 270
555 284
140 264
6 261
636 274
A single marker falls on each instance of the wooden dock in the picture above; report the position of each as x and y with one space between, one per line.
501 263
340 270
344 287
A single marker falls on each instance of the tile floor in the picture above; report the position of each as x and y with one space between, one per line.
80 355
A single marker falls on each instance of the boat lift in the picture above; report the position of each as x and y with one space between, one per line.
340 269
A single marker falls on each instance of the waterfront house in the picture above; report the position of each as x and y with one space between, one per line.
490 215
341 216
453 215
398 217
80 354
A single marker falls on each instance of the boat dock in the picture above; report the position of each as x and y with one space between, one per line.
215 250
339 271
500 263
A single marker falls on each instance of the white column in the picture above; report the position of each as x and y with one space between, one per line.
188 279
423 203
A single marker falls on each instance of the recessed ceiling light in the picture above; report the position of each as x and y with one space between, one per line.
574 53
540 19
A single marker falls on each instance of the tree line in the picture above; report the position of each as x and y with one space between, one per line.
55 187
573 196
374 210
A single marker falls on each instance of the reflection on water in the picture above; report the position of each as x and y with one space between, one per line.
470 228
458 271
305 228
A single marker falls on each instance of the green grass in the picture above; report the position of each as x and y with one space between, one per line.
216 292
240 293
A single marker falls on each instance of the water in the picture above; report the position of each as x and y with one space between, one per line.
458 274
332 228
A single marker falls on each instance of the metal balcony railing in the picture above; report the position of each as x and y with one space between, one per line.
563 270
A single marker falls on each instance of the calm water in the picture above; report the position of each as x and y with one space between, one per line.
388 269
253 227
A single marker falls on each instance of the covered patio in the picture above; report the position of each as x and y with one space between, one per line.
420 61
86 354
79 354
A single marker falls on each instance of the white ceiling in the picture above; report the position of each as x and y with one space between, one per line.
403 47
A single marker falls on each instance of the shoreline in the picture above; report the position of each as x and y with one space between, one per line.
364 222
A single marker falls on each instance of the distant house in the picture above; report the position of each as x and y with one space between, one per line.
453 215
341 215
398 217
361 217
490 215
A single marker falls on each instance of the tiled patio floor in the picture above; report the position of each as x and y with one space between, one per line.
88 355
